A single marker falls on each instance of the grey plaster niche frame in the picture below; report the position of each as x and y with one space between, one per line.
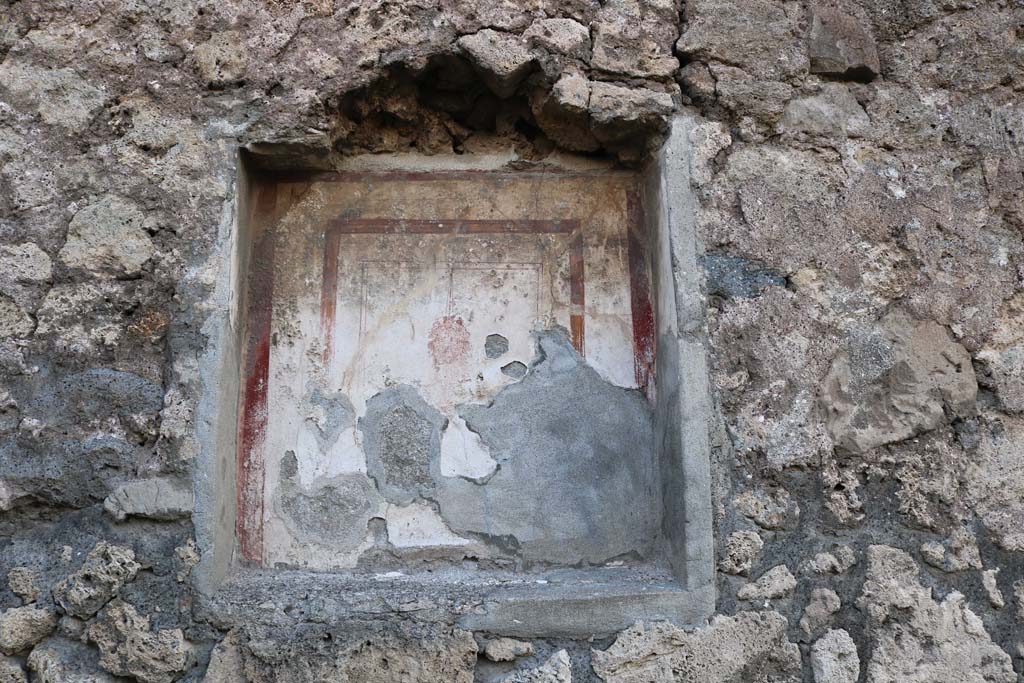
559 603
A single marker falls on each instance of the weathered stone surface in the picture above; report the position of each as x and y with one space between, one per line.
959 553
834 658
556 669
420 655
61 97
501 58
563 36
129 648
506 649
222 60
991 585
840 42
11 671
833 113
758 36
622 48
14 321
24 263
59 660
619 112
818 613
778 582
769 510
562 114
741 549
107 237
762 99
24 582
750 647
896 381
159 498
104 573
23 627
916 639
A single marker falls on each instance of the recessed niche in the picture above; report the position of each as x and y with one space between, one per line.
444 371
382 309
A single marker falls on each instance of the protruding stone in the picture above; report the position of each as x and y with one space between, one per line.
106 570
107 238
226 661
621 48
556 669
916 639
23 627
840 43
563 36
24 583
995 596
14 321
835 562
25 263
895 382
832 113
562 113
761 99
741 549
750 646
818 613
223 60
129 648
758 36
158 498
774 584
834 658
61 97
59 660
506 649
620 113
11 671
501 58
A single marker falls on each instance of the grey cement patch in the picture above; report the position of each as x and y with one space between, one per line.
335 510
402 439
495 346
577 479
515 370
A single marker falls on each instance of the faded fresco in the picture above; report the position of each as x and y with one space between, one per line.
397 307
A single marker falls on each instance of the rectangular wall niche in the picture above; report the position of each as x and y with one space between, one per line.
445 366
462 383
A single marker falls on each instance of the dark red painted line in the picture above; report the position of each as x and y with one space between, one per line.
577 297
399 226
644 331
329 292
253 419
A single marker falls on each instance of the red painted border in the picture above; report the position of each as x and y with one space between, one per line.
396 226
251 473
644 331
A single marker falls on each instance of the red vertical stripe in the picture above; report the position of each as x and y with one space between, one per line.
577 297
253 419
644 332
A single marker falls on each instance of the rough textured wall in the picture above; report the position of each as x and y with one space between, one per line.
861 209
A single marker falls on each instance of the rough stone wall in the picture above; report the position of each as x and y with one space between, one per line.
861 210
